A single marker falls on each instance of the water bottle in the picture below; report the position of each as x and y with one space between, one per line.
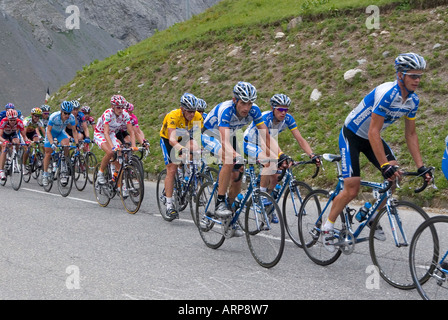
276 191
363 211
237 202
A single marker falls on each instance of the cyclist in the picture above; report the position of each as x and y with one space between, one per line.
221 127
45 115
202 106
176 138
89 119
123 134
34 128
105 132
277 120
9 128
445 159
81 125
362 133
10 106
55 131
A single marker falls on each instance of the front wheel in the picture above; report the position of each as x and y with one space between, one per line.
428 258
389 248
265 238
102 191
292 201
131 189
65 178
16 171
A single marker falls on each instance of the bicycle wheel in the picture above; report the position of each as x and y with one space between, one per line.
102 192
91 162
428 258
135 160
51 175
392 259
266 240
65 178
80 172
292 200
161 196
131 189
312 215
16 171
195 186
210 230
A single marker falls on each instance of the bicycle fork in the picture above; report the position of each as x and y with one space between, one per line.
396 224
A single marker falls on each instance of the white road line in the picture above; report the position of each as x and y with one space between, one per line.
58 195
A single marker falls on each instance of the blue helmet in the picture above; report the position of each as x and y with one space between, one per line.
280 99
189 101
66 106
245 91
202 105
9 106
409 61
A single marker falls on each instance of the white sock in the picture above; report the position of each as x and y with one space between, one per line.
328 226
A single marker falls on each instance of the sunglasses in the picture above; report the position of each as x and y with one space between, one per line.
66 113
190 111
119 107
12 119
282 109
413 76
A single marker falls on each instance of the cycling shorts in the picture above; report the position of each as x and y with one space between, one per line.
351 145
58 136
100 138
11 136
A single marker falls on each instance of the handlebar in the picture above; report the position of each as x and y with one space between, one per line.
412 174
298 163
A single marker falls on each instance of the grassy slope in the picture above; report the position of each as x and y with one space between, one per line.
154 73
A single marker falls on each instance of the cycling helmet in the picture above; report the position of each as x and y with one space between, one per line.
245 91
66 106
75 104
202 105
85 109
36 112
45 108
10 106
409 61
118 100
189 101
12 114
280 99
130 107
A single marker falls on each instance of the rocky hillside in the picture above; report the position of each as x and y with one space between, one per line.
43 46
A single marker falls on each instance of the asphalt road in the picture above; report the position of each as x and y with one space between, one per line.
73 249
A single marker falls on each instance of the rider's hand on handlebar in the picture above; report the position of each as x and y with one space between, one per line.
426 171
315 159
389 172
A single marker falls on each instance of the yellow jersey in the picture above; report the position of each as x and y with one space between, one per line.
176 120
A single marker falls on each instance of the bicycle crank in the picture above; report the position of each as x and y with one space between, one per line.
346 242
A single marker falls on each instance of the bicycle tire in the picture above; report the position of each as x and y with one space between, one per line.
80 172
291 207
392 261
135 160
310 223
102 195
91 162
16 171
210 231
200 179
132 196
266 240
428 245
65 187
161 197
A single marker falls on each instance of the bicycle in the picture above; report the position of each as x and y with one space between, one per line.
127 182
61 169
428 258
90 160
266 240
35 162
185 187
13 164
399 219
80 167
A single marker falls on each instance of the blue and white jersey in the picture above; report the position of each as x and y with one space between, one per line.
57 124
386 101
251 133
224 115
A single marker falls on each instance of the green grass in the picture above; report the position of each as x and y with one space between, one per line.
154 73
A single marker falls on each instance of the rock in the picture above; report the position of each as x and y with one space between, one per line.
234 52
436 46
351 74
279 35
315 95
294 23
386 54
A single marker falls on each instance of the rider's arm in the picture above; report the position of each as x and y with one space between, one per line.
412 142
131 132
173 139
86 129
375 140
302 142
49 135
271 144
1 136
227 146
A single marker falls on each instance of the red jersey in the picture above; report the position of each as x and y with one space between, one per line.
9 129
